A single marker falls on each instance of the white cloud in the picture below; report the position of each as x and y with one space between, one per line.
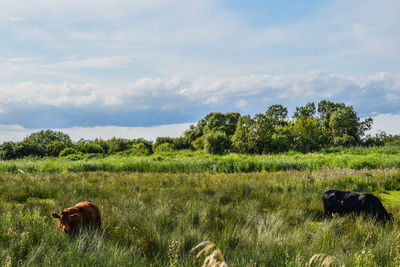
99 62
207 38
182 92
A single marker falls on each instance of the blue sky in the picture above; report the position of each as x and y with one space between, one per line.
109 68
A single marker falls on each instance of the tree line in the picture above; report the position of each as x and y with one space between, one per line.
311 128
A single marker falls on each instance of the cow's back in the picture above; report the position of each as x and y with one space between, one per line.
89 212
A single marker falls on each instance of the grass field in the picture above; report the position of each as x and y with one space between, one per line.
200 162
267 218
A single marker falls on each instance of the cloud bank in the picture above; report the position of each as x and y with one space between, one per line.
181 99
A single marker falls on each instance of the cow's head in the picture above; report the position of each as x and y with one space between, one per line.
67 222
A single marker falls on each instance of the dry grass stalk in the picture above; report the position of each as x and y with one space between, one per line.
324 260
215 258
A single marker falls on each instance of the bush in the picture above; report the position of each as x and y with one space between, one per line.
29 148
88 147
198 143
7 151
136 150
69 151
165 148
216 142
54 148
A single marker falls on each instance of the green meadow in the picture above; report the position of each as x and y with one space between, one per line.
200 162
257 219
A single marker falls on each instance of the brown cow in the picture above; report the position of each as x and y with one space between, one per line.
81 215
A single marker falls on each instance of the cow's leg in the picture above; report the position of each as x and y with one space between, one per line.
327 211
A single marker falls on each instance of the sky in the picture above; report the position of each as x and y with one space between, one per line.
133 68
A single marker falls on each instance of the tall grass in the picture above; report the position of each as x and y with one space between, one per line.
199 162
267 219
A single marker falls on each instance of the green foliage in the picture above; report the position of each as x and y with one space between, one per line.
164 148
334 125
178 143
54 148
89 147
139 149
187 161
308 111
46 137
216 142
240 139
116 145
28 148
69 151
278 113
198 143
307 134
8 151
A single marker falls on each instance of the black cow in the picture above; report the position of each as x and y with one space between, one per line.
344 202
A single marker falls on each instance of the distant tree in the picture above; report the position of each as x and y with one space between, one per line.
45 137
29 148
240 139
281 139
141 141
50 142
192 134
54 148
346 127
261 132
218 121
216 142
165 148
89 147
198 143
308 111
163 140
307 134
116 145
140 149
8 151
278 113
69 151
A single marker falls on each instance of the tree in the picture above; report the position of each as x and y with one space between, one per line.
278 113
346 127
117 145
281 139
45 137
51 142
240 142
54 148
163 140
306 134
216 142
308 111
8 151
29 148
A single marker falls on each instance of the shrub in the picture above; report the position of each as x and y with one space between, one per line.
7 151
216 142
54 148
164 148
89 147
69 151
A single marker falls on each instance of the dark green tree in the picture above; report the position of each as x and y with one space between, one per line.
240 139
216 142
308 111
278 113
8 151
